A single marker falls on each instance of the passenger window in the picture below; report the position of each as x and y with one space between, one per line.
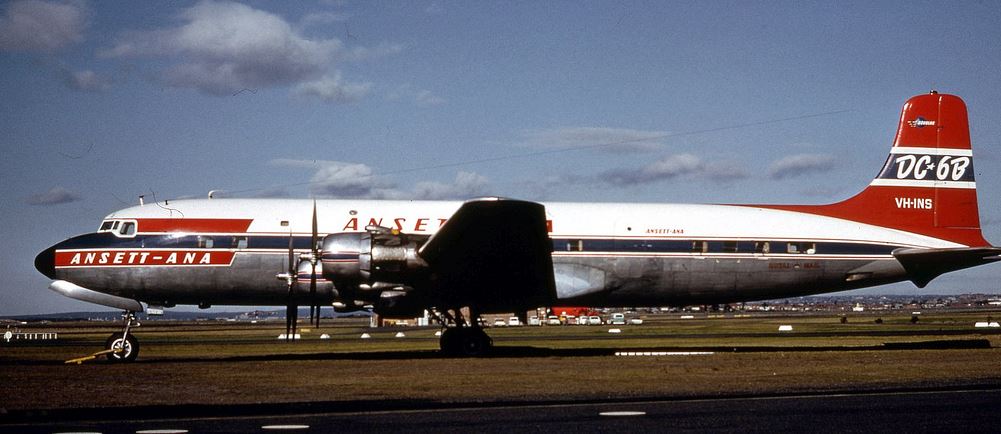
128 229
761 247
729 247
811 248
700 247
205 242
240 242
792 248
575 245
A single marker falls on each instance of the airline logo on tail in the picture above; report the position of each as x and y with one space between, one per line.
928 167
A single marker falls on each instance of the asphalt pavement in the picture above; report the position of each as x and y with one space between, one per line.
959 410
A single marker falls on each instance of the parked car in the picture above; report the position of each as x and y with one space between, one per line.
636 321
553 320
618 319
513 321
499 322
594 320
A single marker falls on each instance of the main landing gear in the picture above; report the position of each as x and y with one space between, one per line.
122 346
460 337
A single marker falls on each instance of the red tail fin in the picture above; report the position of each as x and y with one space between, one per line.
927 184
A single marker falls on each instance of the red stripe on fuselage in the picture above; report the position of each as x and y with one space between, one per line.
194 225
141 257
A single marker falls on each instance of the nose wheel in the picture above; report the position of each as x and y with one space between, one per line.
123 346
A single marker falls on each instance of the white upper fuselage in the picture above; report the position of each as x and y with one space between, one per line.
606 220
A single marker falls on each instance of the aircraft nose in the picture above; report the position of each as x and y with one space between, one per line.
45 262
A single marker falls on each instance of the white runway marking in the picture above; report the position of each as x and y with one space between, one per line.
664 353
622 413
284 427
162 431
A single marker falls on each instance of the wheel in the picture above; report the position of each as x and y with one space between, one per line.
129 348
475 342
465 341
448 340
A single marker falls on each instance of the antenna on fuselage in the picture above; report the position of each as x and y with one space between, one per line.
141 196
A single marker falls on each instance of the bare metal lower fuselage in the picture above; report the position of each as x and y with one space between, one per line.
593 280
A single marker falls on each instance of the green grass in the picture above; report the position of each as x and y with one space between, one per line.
178 362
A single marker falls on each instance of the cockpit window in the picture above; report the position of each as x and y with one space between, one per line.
115 226
106 225
128 229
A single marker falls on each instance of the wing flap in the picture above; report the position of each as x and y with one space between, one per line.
494 254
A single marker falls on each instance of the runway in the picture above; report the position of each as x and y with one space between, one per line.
959 410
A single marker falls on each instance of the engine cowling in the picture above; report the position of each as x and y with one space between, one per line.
374 264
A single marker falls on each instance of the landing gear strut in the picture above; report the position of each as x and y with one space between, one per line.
462 338
123 346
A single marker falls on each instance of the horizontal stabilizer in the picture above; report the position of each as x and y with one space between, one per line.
923 265
493 252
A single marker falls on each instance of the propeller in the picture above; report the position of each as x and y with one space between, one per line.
292 309
314 309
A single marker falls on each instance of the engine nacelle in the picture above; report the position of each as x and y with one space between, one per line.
363 265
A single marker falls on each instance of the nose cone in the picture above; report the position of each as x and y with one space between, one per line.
45 262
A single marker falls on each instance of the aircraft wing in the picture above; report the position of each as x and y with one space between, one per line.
493 254
923 265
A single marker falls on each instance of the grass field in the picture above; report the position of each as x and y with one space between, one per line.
239 363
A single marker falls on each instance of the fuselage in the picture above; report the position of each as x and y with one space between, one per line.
228 251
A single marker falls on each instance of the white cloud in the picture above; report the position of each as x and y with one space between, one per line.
601 138
47 26
86 80
354 180
674 166
800 164
333 88
466 185
337 179
420 97
360 53
55 196
425 98
222 47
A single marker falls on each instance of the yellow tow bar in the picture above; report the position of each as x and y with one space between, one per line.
80 360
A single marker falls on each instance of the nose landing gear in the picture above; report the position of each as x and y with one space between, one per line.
122 346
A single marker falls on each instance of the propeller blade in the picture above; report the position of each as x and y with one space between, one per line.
312 276
291 310
291 255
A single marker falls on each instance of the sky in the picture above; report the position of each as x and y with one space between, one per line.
680 102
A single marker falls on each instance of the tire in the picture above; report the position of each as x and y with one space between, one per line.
449 340
465 341
475 342
131 348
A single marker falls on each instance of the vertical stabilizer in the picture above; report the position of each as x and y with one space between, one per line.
927 184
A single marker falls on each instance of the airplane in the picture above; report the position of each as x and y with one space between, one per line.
458 260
